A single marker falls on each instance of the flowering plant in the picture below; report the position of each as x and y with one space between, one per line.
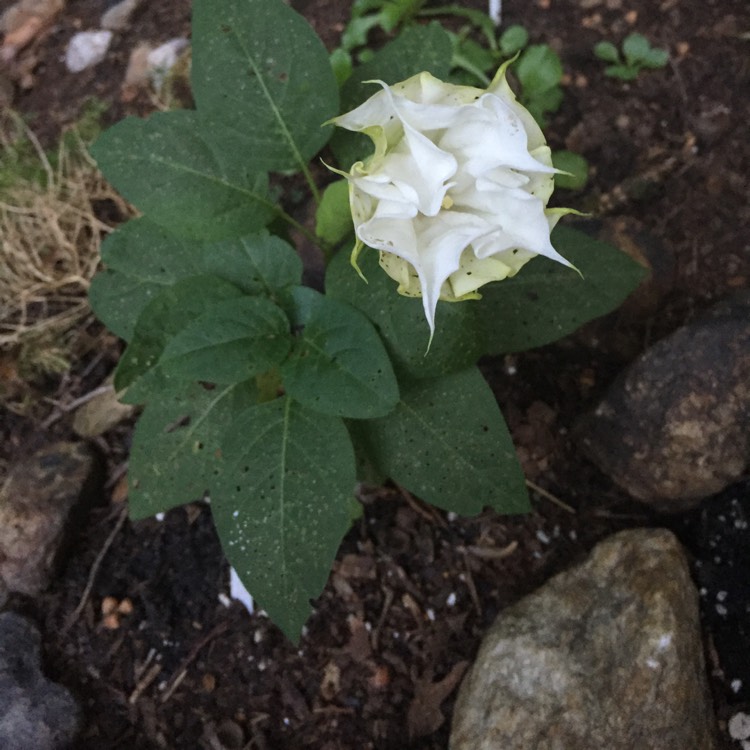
271 399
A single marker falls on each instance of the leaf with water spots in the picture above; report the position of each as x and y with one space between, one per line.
263 76
281 504
447 442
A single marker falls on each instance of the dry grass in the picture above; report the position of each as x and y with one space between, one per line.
49 251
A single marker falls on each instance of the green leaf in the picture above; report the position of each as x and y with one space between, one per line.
415 49
260 70
142 258
447 442
401 321
338 364
341 64
547 301
656 58
636 48
176 452
167 314
538 69
607 51
171 168
356 31
576 167
281 504
623 72
333 218
513 39
230 342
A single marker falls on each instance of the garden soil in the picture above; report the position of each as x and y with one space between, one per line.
413 589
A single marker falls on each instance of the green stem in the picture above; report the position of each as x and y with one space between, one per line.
311 183
303 230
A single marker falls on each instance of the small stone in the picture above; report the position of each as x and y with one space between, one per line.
34 712
605 655
162 59
86 49
118 16
37 500
672 429
739 726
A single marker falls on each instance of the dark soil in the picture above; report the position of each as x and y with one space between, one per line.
413 591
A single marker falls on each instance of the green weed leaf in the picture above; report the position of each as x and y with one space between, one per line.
171 168
538 69
333 219
263 73
447 442
281 504
607 51
338 364
513 39
576 167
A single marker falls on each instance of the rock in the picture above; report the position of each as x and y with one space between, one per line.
36 714
673 428
37 501
118 16
162 59
605 655
86 49
101 413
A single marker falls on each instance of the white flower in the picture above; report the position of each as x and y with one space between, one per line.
455 194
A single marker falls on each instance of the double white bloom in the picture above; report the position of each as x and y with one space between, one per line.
456 193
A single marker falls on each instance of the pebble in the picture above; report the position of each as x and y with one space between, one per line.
118 16
86 49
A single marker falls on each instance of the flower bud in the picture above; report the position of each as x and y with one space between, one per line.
455 194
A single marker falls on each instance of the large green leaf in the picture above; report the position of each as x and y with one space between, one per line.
173 169
414 50
167 314
338 363
447 442
230 342
401 320
547 300
281 504
142 258
262 73
176 452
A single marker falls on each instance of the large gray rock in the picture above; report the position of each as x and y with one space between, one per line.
675 427
605 655
35 714
37 501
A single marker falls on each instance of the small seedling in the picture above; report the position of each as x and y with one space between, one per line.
637 53
574 170
539 71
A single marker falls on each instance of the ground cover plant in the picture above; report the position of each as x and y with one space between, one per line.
271 399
